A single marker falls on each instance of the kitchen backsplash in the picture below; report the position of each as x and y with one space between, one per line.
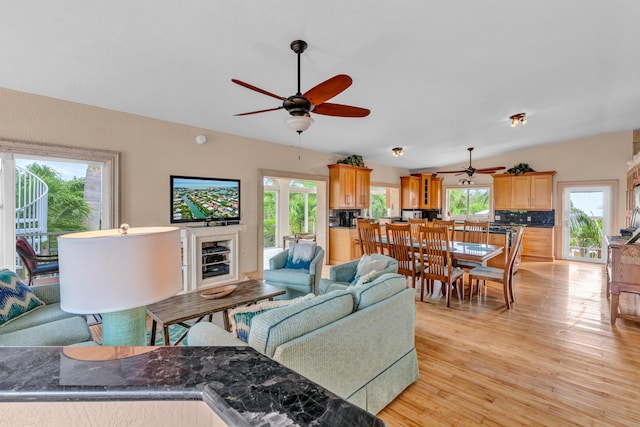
545 218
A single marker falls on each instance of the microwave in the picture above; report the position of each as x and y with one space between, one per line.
411 214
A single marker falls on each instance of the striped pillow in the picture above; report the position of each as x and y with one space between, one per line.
16 299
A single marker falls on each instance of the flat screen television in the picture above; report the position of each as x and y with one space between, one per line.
196 199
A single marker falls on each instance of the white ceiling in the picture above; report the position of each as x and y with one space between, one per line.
438 76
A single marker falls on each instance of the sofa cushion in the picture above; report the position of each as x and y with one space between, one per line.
45 314
300 255
277 326
240 318
59 333
16 299
383 287
290 276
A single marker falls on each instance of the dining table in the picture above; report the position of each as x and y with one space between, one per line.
465 251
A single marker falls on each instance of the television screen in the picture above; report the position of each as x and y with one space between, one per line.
196 199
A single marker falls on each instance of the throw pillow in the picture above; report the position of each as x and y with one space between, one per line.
367 278
366 265
300 255
16 298
241 317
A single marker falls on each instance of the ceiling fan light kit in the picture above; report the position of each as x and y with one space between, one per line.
397 151
299 106
518 118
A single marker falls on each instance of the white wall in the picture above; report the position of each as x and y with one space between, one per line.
151 150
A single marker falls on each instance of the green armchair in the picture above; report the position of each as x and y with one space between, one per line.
295 281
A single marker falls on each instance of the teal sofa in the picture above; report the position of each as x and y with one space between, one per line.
357 342
47 325
343 274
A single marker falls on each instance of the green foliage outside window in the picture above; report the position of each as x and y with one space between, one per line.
378 205
585 233
68 210
468 201
269 219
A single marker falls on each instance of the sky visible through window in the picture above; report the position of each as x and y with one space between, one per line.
67 170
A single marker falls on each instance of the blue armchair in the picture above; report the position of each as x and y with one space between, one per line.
344 274
295 281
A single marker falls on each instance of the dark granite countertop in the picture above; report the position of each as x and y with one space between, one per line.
242 386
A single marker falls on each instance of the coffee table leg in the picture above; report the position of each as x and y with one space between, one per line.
152 339
225 317
165 333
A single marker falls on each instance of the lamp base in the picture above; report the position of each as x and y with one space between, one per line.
125 327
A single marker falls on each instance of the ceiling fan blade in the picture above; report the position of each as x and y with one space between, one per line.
257 89
328 89
340 110
487 171
495 168
451 171
259 111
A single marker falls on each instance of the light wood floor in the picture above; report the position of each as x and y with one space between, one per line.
552 360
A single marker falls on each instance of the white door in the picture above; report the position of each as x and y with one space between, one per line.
586 217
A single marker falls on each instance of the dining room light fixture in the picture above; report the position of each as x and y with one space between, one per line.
397 151
463 181
300 123
518 118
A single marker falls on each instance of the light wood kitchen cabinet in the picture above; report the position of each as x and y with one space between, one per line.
420 191
409 192
363 188
529 191
348 187
342 246
537 244
502 192
436 193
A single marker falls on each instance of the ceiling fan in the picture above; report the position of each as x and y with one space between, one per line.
470 171
299 106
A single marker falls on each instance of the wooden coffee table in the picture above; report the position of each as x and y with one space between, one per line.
179 308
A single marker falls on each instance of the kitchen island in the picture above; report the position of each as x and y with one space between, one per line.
239 385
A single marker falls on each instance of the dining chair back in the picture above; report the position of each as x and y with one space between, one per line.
476 232
400 247
370 236
448 223
480 275
436 256
415 224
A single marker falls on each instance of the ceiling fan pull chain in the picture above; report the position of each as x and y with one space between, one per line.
299 143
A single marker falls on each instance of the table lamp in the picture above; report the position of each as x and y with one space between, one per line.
117 273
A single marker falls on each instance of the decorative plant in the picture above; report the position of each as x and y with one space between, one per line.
353 160
520 168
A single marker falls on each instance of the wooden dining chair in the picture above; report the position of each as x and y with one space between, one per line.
400 247
370 237
474 232
436 256
449 223
504 275
414 224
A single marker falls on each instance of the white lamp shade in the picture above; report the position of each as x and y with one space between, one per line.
105 271
299 123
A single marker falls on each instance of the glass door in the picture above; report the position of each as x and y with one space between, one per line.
585 215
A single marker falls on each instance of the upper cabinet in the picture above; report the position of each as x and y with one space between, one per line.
349 187
420 191
409 192
529 191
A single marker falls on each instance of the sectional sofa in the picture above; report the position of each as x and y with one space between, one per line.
357 342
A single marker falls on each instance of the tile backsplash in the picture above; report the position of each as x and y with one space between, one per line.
544 218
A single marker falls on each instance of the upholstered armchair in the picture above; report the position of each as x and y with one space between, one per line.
344 274
296 278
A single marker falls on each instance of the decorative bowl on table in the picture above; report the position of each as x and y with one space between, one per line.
219 292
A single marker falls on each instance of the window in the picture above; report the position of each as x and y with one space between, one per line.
468 202
384 201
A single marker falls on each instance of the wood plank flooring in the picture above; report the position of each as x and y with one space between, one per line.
552 360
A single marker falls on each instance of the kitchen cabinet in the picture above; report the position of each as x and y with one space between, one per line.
342 245
348 187
529 191
363 188
537 244
420 191
409 192
436 193
502 192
